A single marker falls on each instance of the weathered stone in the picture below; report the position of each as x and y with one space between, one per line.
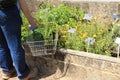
102 11
75 65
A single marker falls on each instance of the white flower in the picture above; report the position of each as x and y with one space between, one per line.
88 16
118 25
117 41
90 40
116 16
72 30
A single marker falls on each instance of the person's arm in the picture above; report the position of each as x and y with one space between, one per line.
25 10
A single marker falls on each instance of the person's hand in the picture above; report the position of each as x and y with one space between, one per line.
33 21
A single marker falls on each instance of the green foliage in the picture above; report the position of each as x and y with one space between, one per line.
69 17
62 15
24 28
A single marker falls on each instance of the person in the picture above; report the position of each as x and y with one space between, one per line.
12 55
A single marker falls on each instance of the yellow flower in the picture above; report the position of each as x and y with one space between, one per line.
83 18
67 42
94 18
64 36
64 32
99 33
60 29
76 27
81 32
101 30
94 36
84 35
107 51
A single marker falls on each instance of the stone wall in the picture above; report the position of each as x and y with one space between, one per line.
75 65
102 11
88 66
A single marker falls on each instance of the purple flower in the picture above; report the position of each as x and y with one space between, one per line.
116 16
90 40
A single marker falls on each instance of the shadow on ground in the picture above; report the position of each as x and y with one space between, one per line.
48 66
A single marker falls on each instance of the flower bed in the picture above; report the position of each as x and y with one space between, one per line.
77 30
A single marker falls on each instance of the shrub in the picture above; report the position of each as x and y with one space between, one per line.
75 32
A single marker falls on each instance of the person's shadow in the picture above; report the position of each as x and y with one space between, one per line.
47 65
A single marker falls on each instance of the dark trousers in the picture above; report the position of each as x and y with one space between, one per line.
11 51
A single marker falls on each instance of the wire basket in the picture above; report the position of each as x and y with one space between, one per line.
42 41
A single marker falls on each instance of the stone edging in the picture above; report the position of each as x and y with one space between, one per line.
90 55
